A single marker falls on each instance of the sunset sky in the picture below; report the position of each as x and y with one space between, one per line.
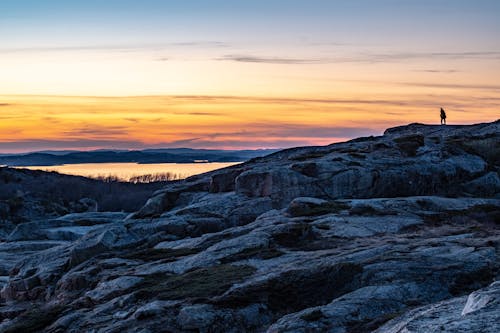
135 74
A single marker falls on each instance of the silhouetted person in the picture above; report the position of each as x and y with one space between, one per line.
443 117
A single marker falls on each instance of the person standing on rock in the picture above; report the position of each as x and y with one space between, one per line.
443 117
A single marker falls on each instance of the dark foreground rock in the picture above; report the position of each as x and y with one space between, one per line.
398 233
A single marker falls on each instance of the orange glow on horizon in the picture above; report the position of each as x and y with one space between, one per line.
222 122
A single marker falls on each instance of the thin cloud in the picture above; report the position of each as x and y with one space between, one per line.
115 47
437 71
270 60
390 57
200 113
11 116
132 120
247 144
355 104
97 131
181 142
275 132
51 120
11 131
5 104
211 43
35 144
450 85
328 43
273 100
362 58
303 131
262 135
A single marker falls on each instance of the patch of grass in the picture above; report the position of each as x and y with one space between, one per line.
484 213
34 320
307 156
322 226
151 254
353 163
198 283
409 144
314 315
366 210
474 211
294 235
372 325
255 253
380 145
307 169
435 139
348 150
357 155
330 207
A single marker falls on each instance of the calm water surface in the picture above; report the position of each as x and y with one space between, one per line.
126 171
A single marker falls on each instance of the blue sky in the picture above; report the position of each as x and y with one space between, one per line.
456 24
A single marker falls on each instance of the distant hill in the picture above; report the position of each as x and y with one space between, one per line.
27 195
167 155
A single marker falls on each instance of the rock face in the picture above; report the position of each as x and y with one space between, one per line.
398 233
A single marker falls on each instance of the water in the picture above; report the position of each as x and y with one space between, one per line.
126 171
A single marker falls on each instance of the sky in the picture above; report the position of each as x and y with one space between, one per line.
240 74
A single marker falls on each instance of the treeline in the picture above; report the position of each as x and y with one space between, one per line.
147 178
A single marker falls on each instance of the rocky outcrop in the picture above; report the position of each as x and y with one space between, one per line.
407 161
477 312
397 233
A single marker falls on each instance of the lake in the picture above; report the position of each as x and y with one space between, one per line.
126 171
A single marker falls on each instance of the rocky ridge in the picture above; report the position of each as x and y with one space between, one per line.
397 233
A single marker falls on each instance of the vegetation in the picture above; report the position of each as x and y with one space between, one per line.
308 156
409 144
366 210
487 215
255 253
152 254
295 235
28 192
155 177
147 178
357 155
323 209
314 315
198 283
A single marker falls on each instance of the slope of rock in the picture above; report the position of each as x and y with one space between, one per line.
398 233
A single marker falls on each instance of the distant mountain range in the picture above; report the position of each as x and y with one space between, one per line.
147 156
